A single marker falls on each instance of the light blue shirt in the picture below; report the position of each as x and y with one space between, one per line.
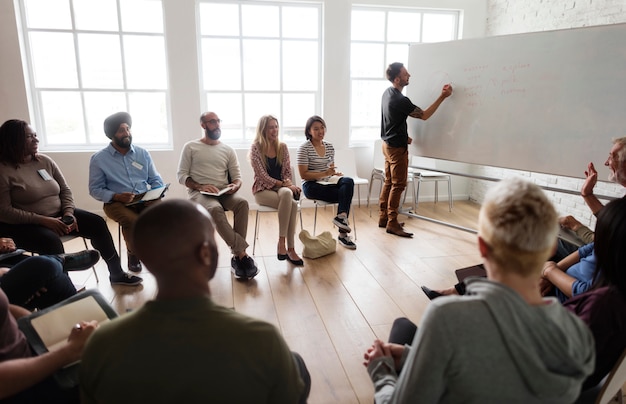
583 271
111 172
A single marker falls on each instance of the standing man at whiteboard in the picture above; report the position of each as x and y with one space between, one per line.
396 108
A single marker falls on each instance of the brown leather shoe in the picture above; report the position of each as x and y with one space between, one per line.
382 223
396 228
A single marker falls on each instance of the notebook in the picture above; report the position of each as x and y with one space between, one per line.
474 270
47 330
221 192
151 195
333 179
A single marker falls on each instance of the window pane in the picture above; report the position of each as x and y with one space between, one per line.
366 97
300 22
53 60
258 105
100 61
367 60
260 20
95 15
228 107
145 62
397 53
221 75
142 16
63 117
297 109
149 112
99 105
368 25
219 19
261 64
300 63
48 14
439 27
403 27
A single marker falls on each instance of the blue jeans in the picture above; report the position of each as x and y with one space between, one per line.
36 282
340 193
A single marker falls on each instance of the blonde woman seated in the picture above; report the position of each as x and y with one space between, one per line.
272 185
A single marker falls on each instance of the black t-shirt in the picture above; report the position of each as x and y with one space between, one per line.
273 169
395 109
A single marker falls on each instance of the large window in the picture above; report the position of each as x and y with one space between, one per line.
381 36
260 58
87 59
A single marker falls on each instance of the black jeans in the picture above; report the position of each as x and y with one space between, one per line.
36 282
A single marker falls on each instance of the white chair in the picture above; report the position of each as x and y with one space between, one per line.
420 176
316 204
609 390
378 173
346 163
69 237
263 208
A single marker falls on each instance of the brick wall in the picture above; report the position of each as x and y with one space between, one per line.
513 17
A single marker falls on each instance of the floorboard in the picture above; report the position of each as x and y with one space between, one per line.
331 309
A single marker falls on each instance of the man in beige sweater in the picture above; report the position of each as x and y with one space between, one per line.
210 171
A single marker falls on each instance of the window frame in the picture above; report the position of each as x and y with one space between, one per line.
97 140
375 130
291 135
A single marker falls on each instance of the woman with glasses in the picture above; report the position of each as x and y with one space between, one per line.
37 207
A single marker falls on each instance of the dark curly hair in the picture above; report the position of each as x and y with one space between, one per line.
13 142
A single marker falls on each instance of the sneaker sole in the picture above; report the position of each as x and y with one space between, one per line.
349 247
342 227
237 276
137 283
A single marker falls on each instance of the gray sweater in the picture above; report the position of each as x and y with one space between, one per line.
490 346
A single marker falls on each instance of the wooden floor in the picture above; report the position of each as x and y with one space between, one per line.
332 309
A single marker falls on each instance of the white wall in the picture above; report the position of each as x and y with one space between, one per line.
506 17
184 85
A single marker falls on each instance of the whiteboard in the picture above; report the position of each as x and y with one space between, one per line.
546 102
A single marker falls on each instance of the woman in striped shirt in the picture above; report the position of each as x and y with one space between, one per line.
320 179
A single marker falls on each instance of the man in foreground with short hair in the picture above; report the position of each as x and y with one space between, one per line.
182 347
119 172
502 342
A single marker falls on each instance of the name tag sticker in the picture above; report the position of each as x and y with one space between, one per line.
137 165
44 174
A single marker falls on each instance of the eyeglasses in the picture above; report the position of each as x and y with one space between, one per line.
213 121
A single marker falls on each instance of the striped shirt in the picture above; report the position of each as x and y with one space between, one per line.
307 156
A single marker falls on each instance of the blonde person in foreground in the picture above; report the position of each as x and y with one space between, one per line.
502 342
272 185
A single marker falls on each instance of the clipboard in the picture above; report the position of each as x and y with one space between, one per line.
151 195
48 329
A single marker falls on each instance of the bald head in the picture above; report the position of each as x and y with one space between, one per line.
176 241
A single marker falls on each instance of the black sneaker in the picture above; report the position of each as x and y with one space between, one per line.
80 260
244 268
346 241
125 279
342 224
133 263
251 269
